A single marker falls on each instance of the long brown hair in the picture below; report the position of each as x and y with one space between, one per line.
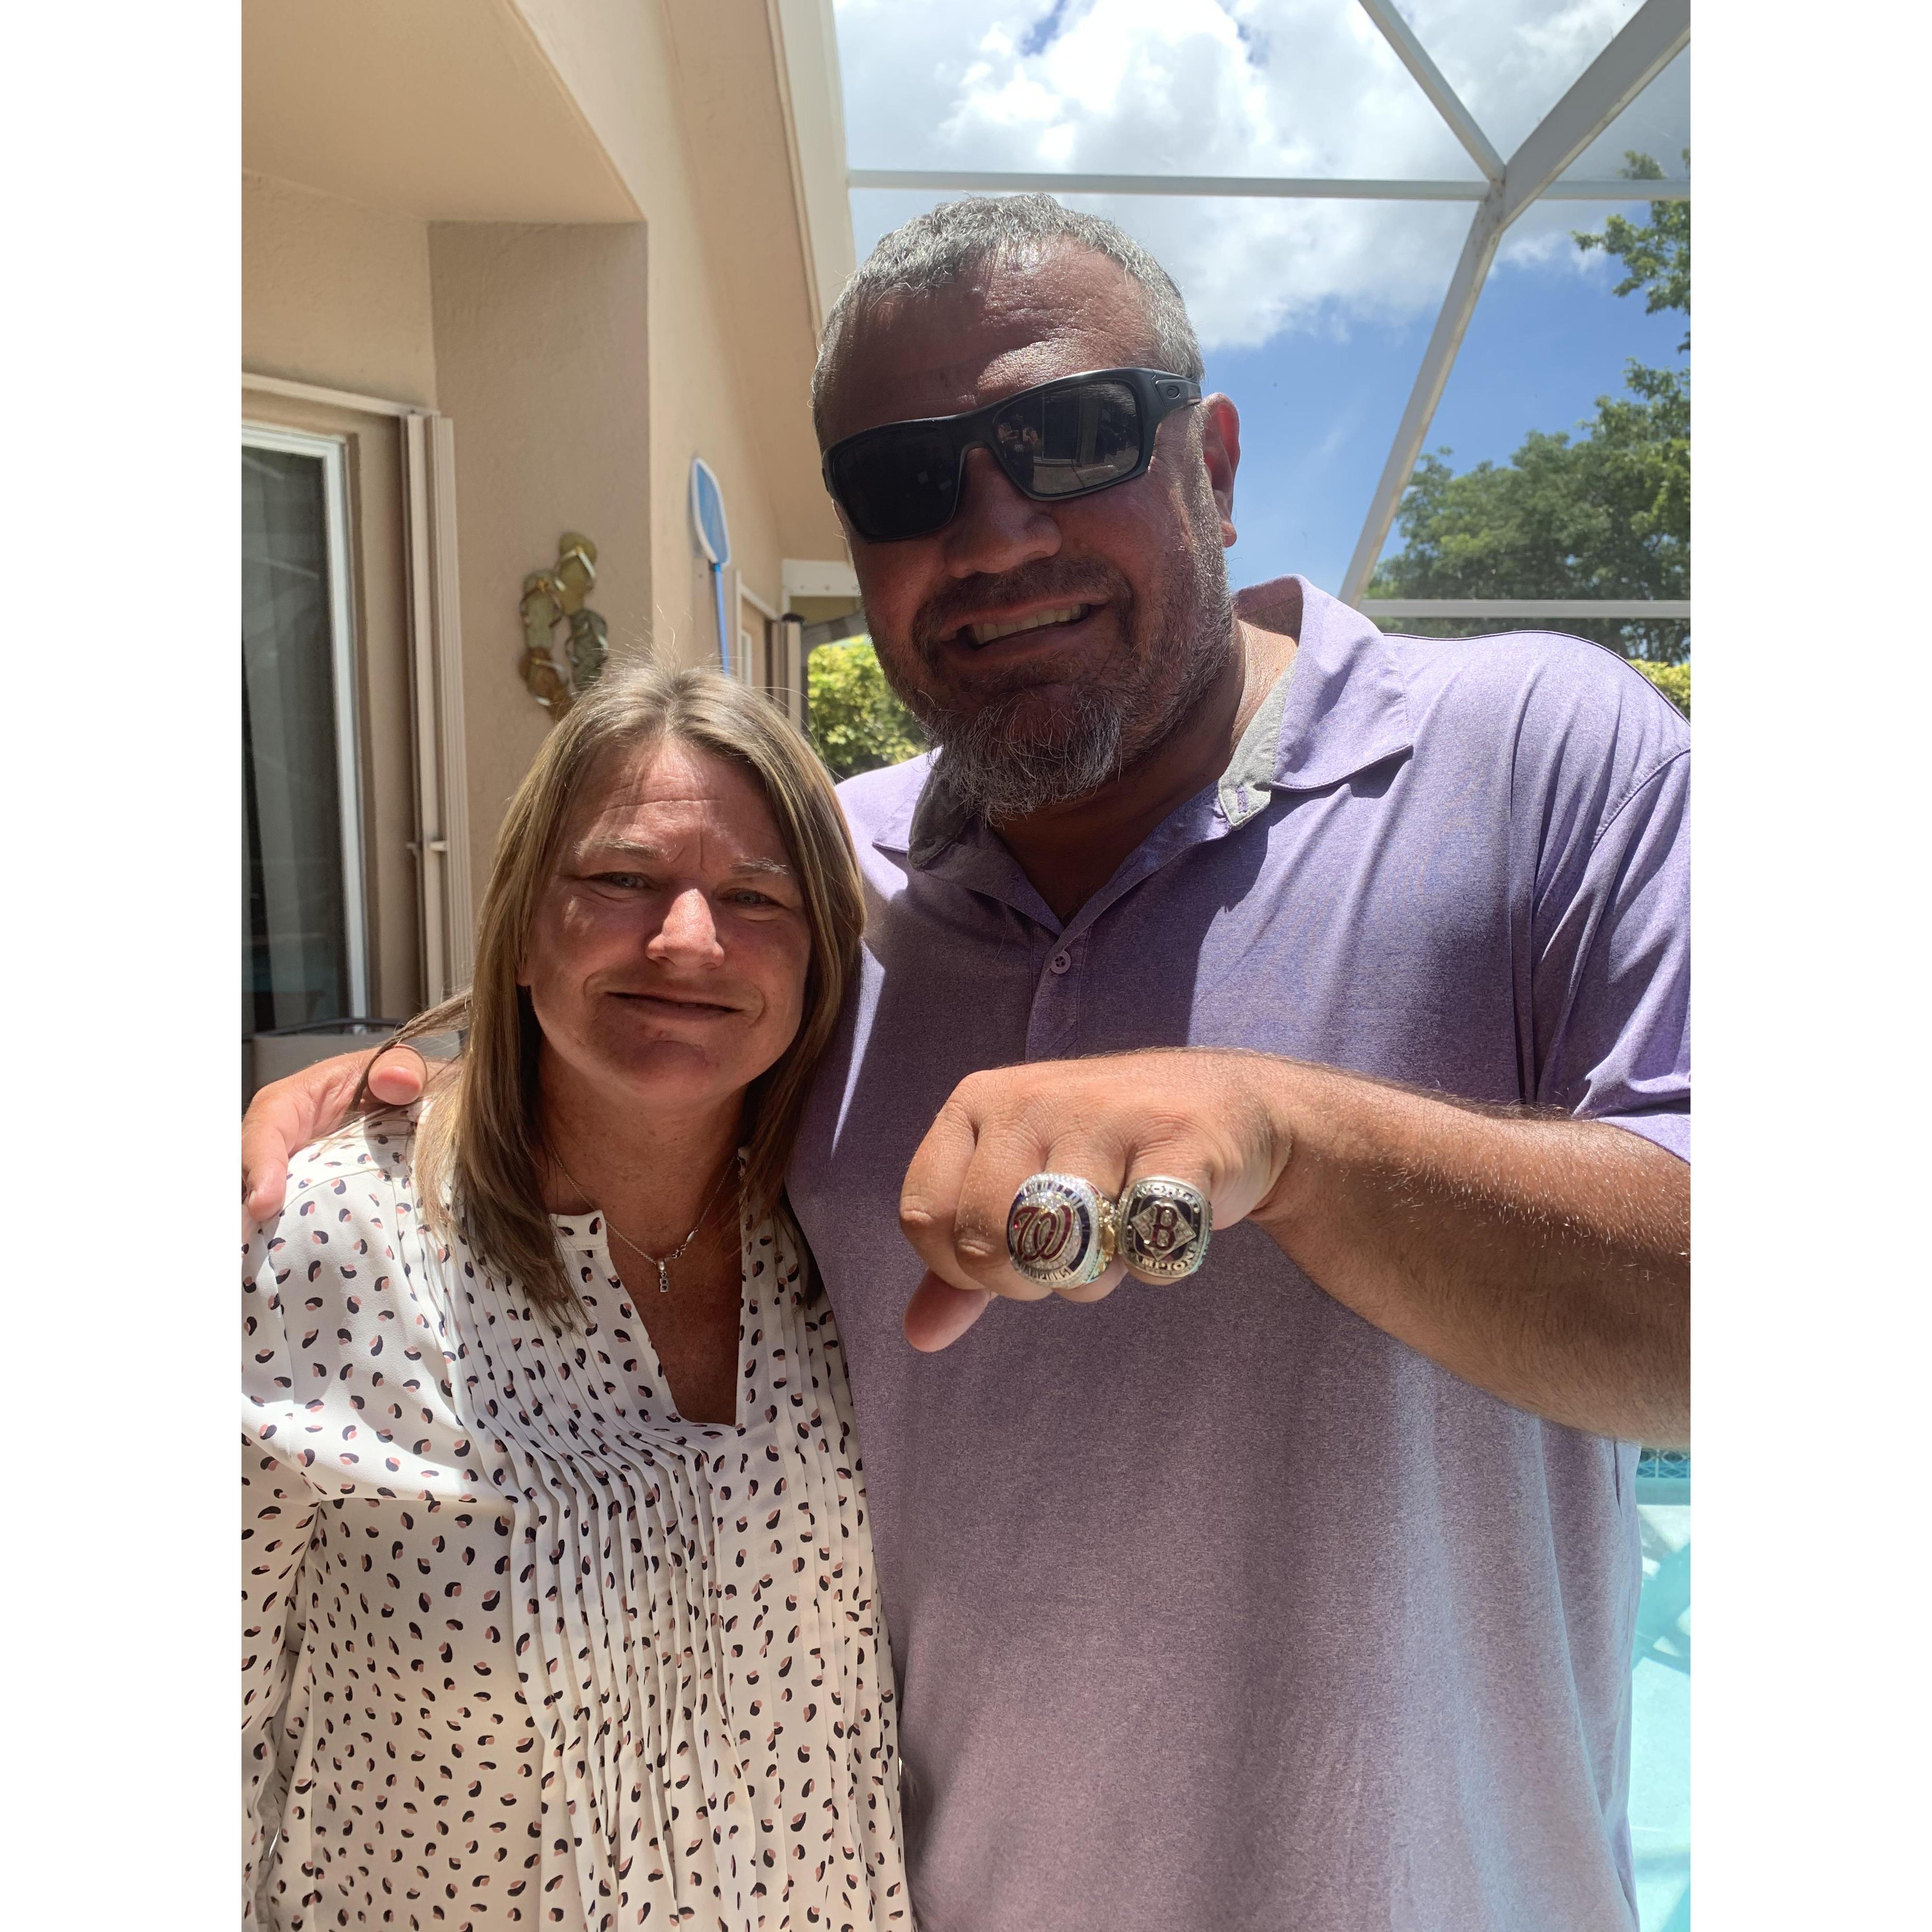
477 1150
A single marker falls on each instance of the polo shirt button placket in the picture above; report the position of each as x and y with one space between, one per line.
1053 1029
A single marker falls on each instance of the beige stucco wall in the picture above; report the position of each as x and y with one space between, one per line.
584 356
448 110
543 349
335 294
748 200
686 102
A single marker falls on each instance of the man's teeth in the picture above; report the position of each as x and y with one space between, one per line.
1067 613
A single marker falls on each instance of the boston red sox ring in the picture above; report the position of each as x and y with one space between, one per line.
1164 1227
1060 1230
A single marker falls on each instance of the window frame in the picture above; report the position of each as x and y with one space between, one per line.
345 672
428 558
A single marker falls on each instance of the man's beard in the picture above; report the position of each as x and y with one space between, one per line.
998 768
998 772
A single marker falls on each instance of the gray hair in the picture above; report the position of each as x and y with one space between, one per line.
935 249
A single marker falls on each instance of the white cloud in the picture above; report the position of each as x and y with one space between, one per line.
1293 87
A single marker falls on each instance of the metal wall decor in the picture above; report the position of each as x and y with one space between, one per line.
553 598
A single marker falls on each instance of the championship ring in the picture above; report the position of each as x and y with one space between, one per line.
1060 1230
1164 1227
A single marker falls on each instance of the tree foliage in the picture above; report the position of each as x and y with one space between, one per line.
1605 515
857 723
1656 257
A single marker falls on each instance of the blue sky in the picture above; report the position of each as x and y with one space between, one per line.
1312 316
1318 416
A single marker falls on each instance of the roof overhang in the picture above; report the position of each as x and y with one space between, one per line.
448 110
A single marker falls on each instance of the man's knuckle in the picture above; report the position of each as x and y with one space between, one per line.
1170 1124
918 1218
972 1092
1043 1107
976 1247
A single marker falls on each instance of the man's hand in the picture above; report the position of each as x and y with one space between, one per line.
1192 1116
1545 1260
289 1113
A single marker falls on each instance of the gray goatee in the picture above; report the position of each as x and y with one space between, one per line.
997 774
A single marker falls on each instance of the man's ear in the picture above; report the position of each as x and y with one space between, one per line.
1221 452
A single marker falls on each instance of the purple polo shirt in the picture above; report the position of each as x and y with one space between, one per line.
1212 1606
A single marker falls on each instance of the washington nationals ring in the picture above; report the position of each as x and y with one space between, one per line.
1164 1227
1060 1230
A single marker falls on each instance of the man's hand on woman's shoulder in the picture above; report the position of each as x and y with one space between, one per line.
290 1113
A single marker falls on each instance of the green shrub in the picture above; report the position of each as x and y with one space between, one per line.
857 724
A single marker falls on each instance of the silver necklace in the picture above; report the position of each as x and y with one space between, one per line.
661 1262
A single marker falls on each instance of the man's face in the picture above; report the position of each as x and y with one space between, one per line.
1046 647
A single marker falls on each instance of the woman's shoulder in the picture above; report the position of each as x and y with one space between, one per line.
355 1183
341 1275
348 1231
377 1150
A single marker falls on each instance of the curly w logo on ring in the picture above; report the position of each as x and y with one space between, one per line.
1041 1233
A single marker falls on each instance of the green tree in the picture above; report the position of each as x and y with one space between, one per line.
857 723
1657 257
1607 515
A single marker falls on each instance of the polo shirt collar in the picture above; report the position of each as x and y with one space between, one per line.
931 821
1340 707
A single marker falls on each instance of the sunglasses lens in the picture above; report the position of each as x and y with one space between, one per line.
901 483
1070 440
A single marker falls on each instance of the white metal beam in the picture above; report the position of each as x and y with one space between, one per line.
1651 39
1479 250
1442 97
1525 607
1285 187
1621 189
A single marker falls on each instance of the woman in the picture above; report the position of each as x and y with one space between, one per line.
560 1608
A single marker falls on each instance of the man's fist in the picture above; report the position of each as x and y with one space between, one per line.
1210 1117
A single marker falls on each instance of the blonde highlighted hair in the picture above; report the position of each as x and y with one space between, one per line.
477 1150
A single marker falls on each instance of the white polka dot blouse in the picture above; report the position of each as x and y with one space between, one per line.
520 1646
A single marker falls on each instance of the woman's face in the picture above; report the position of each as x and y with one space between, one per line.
668 956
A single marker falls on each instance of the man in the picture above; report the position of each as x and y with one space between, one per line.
1298 1591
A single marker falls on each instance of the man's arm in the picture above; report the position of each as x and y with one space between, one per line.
1547 1261
1544 1260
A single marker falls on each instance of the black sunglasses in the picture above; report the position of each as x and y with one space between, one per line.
1066 438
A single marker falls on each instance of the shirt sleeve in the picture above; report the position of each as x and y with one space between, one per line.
277 1512
1611 938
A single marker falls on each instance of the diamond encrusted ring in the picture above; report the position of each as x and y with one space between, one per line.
1060 1230
1164 1227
